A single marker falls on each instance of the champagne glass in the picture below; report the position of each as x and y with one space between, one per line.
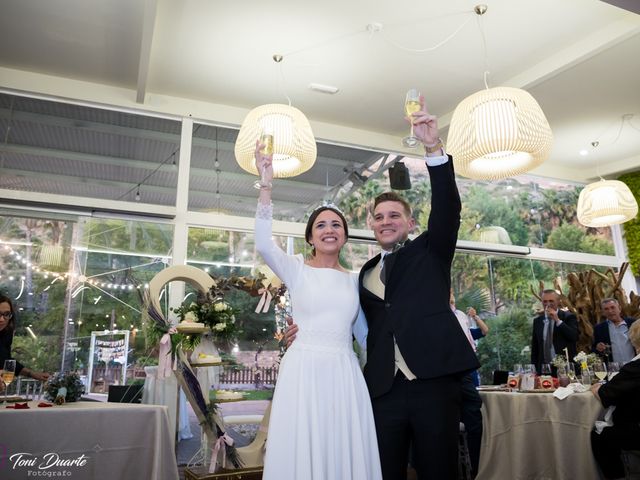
613 368
545 369
266 138
571 372
600 371
8 373
411 105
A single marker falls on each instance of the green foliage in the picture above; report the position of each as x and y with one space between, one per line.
573 238
632 227
509 334
41 354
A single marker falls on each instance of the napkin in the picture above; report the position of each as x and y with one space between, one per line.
44 404
19 406
563 392
607 421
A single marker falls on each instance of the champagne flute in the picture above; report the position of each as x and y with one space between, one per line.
571 372
8 373
266 138
411 105
600 371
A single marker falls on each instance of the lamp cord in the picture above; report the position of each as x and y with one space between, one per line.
427 49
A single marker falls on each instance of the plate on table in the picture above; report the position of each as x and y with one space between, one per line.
540 390
14 399
493 388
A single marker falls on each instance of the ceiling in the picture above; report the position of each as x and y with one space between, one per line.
212 60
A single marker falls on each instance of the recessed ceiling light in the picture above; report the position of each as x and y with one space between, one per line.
584 152
318 87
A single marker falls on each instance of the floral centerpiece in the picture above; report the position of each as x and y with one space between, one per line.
215 313
64 387
586 359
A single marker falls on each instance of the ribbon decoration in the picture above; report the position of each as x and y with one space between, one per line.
164 364
265 300
220 446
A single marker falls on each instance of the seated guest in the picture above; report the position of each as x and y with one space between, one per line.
610 337
623 392
7 327
553 331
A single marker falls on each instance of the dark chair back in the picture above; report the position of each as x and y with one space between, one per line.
125 393
500 377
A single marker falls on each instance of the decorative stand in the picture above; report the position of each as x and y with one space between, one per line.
213 428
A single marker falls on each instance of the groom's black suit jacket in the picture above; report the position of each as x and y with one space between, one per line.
416 305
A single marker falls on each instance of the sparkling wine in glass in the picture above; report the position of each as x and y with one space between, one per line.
571 372
8 374
411 106
600 371
266 138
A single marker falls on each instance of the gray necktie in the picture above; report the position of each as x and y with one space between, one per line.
383 273
548 339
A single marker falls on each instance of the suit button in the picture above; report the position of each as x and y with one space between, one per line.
387 305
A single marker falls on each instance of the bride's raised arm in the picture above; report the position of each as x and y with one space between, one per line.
284 266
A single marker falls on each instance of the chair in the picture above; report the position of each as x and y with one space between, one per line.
631 462
125 393
500 377
464 460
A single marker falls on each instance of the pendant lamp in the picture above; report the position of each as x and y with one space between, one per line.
294 146
497 133
605 203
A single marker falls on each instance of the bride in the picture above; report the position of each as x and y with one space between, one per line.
321 424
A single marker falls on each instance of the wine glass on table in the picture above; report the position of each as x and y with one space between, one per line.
571 372
612 369
411 106
600 371
266 139
8 374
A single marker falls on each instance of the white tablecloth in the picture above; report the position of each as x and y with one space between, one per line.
101 440
165 392
535 436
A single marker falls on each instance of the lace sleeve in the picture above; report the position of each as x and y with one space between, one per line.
264 212
286 267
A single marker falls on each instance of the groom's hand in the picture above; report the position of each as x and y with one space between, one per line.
290 332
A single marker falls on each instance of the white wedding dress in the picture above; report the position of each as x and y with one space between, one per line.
321 425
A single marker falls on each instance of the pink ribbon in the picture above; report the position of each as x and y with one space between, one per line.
164 355
220 446
265 301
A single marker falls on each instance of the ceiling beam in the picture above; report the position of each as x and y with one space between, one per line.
74 180
148 25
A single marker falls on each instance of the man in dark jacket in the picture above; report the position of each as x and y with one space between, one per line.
562 327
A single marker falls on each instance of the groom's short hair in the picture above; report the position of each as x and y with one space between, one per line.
392 197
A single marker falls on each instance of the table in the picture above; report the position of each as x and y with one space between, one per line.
536 436
95 440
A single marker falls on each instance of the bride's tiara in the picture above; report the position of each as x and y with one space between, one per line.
330 206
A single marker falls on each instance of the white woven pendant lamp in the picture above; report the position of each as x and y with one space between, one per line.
605 203
294 146
497 133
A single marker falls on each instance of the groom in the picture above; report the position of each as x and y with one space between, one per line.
416 351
